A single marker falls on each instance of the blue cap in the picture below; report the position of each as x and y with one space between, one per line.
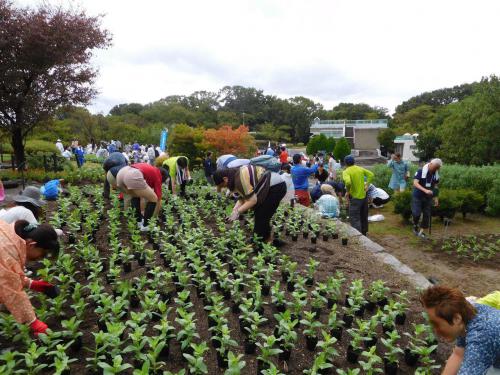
349 160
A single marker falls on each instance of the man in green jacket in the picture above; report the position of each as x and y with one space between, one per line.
356 181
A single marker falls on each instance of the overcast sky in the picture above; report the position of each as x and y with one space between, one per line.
378 52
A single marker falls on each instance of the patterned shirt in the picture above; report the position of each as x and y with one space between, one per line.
481 342
328 205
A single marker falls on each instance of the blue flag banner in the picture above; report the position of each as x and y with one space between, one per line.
163 139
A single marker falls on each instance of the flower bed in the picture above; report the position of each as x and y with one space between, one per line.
194 295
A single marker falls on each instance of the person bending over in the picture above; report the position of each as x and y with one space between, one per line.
141 181
178 167
475 328
21 242
257 189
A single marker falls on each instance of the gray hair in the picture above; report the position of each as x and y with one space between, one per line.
437 162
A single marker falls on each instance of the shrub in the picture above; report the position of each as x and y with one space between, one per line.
39 146
448 204
493 199
37 161
402 204
383 175
342 149
317 143
470 201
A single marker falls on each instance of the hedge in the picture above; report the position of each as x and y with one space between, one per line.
483 180
33 146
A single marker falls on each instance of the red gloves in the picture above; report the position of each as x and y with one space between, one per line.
41 286
38 327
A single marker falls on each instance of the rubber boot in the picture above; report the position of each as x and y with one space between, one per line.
136 205
148 212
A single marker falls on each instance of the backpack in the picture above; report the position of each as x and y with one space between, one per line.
267 162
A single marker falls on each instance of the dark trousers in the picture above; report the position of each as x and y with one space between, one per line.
380 201
265 211
358 213
421 206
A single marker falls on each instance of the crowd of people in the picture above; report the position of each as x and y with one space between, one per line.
259 184
133 152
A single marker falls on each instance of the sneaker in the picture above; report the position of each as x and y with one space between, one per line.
421 234
415 230
142 228
140 224
375 206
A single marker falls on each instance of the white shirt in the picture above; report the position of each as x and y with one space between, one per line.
60 147
16 213
67 154
290 189
375 192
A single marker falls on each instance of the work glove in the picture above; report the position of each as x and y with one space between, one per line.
234 216
44 287
37 326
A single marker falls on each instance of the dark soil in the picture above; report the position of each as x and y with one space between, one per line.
351 260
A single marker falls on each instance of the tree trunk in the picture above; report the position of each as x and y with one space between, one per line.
18 145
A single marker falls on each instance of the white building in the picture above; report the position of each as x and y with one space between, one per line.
406 146
361 134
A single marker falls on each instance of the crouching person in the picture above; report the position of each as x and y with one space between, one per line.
21 242
474 327
257 189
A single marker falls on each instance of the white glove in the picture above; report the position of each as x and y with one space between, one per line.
234 216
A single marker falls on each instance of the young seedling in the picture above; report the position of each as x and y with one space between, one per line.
196 362
117 367
235 364
311 325
372 359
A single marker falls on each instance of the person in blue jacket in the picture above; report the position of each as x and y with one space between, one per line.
300 177
80 156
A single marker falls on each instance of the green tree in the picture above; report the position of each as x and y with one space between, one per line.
357 111
342 149
317 143
330 144
187 141
471 133
427 144
386 139
45 63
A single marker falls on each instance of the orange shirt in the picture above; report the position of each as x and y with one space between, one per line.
284 157
12 278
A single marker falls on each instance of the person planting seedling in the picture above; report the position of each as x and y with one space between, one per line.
140 181
258 189
474 327
21 242
178 167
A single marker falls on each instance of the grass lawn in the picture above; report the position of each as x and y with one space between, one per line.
425 256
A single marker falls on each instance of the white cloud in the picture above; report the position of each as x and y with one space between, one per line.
380 52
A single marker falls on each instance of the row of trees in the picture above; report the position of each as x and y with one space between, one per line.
460 125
